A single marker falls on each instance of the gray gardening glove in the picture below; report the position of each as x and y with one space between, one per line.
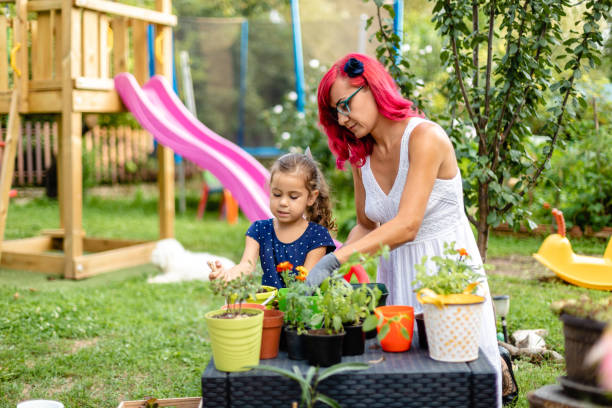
323 269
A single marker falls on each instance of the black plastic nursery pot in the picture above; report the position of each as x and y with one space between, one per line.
381 302
354 341
420 320
295 343
323 349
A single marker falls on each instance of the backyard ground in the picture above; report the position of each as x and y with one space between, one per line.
113 337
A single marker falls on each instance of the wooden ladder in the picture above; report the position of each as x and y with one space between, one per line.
8 162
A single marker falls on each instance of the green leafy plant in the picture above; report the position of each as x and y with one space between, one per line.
333 304
385 326
585 307
312 378
452 273
361 303
241 288
151 403
297 302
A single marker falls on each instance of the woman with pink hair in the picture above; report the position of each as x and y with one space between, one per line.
408 189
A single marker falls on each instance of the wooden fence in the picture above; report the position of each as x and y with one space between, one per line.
111 155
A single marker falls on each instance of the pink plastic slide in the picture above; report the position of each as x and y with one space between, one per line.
159 111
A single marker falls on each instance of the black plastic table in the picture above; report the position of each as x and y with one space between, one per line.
409 379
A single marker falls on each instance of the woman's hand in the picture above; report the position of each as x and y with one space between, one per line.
323 269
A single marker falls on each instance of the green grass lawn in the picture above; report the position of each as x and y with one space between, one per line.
113 337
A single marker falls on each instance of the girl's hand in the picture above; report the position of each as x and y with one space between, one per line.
216 269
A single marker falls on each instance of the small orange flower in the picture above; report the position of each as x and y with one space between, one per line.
284 266
546 206
462 252
302 273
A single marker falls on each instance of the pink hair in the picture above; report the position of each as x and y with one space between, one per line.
390 104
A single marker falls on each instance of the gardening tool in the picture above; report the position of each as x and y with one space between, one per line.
587 271
360 272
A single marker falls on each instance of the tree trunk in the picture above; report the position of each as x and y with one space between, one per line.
483 213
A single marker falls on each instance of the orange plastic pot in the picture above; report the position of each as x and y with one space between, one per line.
270 337
394 341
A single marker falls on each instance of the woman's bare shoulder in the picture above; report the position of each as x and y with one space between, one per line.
428 135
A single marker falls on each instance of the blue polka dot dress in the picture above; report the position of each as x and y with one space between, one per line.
272 251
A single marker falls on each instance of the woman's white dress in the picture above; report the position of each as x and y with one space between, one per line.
444 221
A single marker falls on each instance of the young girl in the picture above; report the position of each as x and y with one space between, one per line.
299 231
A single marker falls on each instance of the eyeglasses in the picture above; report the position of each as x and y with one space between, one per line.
342 106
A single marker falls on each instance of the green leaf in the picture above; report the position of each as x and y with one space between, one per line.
328 401
370 323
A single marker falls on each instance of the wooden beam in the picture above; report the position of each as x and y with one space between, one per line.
45 102
97 101
8 162
71 204
3 55
44 263
139 40
91 244
44 5
91 44
95 84
20 24
138 13
42 48
45 85
165 156
29 245
57 233
94 264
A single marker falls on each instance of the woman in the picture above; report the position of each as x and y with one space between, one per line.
408 190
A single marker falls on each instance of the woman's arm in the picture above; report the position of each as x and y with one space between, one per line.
429 152
246 265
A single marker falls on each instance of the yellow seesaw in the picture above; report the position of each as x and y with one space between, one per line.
587 271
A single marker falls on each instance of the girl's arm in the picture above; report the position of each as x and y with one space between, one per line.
313 257
364 224
246 265
429 148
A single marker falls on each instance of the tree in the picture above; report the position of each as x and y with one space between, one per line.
510 63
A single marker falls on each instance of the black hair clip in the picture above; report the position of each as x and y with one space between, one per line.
353 67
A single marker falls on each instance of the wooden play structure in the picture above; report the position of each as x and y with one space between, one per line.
62 57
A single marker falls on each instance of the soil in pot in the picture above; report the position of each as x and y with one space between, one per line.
323 349
296 347
270 337
354 341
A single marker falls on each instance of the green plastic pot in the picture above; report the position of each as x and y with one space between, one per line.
282 302
235 342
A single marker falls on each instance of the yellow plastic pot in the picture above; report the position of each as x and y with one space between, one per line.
235 342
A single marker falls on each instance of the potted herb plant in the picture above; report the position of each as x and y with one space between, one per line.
324 345
452 313
362 300
370 264
235 332
584 321
297 305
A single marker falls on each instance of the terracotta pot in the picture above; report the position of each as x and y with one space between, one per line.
394 341
270 336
